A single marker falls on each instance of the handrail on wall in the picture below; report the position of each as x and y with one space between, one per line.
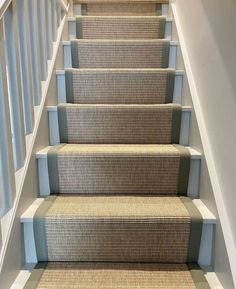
28 29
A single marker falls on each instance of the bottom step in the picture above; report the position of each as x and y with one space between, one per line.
116 275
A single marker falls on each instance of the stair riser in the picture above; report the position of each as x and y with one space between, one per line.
72 28
177 91
111 241
68 57
120 53
193 183
55 136
148 9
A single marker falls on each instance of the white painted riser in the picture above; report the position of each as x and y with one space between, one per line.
194 176
205 254
54 128
72 28
61 85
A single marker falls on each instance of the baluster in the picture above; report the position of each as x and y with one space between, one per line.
48 7
35 51
58 15
42 38
13 67
7 176
54 20
26 72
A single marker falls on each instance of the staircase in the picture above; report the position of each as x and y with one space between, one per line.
120 205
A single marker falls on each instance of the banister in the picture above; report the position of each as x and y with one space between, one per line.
30 33
5 3
62 5
3 7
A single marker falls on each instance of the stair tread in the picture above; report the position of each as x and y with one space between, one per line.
121 41
118 17
124 149
208 217
121 70
131 207
118 105
120 275
194 153
121 1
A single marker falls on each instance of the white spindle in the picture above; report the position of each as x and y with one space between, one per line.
48 10
25 60
42 38
35 51
15 91
7 177
58 15
54 20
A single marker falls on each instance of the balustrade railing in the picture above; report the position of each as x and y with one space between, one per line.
28 29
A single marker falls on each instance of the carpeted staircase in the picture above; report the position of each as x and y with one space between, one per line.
118 215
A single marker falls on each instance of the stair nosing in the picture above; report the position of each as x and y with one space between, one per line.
208 217
195 155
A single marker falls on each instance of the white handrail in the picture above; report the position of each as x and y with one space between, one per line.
62 5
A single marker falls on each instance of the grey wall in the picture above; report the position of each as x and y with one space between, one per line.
209 28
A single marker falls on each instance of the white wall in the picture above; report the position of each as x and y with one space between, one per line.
209 30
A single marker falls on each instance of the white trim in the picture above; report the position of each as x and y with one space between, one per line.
213 281
208 217
23 277
218 194
22 174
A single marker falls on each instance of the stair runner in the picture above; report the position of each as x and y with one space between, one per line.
118 215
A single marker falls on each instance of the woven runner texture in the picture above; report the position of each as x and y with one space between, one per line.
119 169
120 27
121 86
120 53
122 9
119 178
137 124
116 229
112 276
